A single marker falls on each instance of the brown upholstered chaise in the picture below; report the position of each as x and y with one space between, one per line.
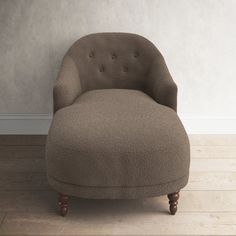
115 132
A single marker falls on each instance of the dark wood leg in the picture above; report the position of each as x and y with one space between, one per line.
173 201
63 203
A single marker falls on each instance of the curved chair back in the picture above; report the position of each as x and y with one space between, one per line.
113 60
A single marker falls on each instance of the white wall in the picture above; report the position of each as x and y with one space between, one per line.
197 38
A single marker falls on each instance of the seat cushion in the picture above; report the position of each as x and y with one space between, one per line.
117 138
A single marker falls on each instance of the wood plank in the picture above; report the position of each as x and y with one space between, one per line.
46 201
7 152
2 216
195 139
120 222
197 165
39 152
212 165
211 181
11 180
190 201
213 152
39 165
212 139
22 165
23 140
28 201
207 201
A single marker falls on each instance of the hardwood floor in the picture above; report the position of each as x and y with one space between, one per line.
207 205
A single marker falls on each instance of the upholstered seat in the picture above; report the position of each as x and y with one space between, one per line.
115 132
117 139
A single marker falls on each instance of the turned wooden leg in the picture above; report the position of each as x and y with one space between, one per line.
173 201
63 204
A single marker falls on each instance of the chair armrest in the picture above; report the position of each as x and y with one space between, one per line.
160 85
67 86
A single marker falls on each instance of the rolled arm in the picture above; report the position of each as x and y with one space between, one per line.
67 86
160 85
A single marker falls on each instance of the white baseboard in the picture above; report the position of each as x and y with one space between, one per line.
39 124
25 123
209 125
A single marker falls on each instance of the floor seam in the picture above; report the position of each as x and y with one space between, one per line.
3 218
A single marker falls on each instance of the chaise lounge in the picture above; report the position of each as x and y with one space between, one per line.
115 133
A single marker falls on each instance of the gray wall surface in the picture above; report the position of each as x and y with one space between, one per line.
197 38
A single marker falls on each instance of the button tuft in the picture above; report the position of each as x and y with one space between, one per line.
136 54
102 68
113 56
91 54
125 69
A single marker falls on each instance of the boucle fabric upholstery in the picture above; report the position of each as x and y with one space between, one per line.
114 60
115 131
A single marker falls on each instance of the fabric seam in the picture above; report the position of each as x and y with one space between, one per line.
86 186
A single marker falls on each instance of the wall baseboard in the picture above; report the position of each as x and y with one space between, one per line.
39 124
25 123
209 125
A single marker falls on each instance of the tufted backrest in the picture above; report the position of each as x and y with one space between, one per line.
113 60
